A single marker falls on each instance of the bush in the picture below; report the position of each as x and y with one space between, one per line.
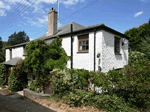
111 103
18 78
33 86
2 74
78 97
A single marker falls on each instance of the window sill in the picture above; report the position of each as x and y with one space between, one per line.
117 54
83 52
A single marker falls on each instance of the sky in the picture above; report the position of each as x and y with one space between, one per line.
31 15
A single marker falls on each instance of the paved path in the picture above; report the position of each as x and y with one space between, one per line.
8 104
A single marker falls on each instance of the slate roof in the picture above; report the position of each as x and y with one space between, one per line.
64 30
76 28
13 61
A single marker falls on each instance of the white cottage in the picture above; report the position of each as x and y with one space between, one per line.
94 48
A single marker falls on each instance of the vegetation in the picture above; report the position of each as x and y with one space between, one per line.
2 74
137 35
2 50
18 78
17 38
1 44
42 58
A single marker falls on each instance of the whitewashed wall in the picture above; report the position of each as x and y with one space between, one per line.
84 60
7 55
109 59
99 36
104 45
66 44
16 52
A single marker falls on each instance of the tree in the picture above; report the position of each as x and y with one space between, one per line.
137 35
2 55
17 38
1 44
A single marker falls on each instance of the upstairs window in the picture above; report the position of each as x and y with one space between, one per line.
83 43
10 53
117 45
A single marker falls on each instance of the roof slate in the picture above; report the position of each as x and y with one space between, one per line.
76 28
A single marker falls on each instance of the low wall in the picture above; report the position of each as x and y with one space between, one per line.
33 95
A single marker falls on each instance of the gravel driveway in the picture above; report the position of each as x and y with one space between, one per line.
8 104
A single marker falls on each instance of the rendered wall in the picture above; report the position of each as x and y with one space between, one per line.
16 52
109 59
7 54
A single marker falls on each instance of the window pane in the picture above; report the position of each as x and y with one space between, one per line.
87 42
80 43
84 43
87 47
83 47
80 47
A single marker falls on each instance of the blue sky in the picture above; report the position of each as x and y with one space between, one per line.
31 16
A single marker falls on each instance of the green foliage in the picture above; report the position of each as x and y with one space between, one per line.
17 38
1 44
37 54
137 35
78 97
111 103
18 78
137 57
2 74
33 86
122 90
42 58
136 86
144 47
2 55
57 55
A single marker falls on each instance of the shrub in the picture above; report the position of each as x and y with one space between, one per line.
33 86
18 78
78 97
2 74
111 103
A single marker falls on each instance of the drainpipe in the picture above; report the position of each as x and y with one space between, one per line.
94 47
71 47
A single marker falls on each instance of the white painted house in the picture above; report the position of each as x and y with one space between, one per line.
94 48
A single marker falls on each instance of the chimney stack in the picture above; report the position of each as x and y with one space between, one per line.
52 22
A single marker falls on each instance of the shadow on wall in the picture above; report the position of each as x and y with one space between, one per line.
118 57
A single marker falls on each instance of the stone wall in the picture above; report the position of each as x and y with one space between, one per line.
33 95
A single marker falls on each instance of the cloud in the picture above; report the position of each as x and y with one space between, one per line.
71 2
4 6
2 13
39 22
31 39
138 14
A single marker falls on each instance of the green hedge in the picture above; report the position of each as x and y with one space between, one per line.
2 74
